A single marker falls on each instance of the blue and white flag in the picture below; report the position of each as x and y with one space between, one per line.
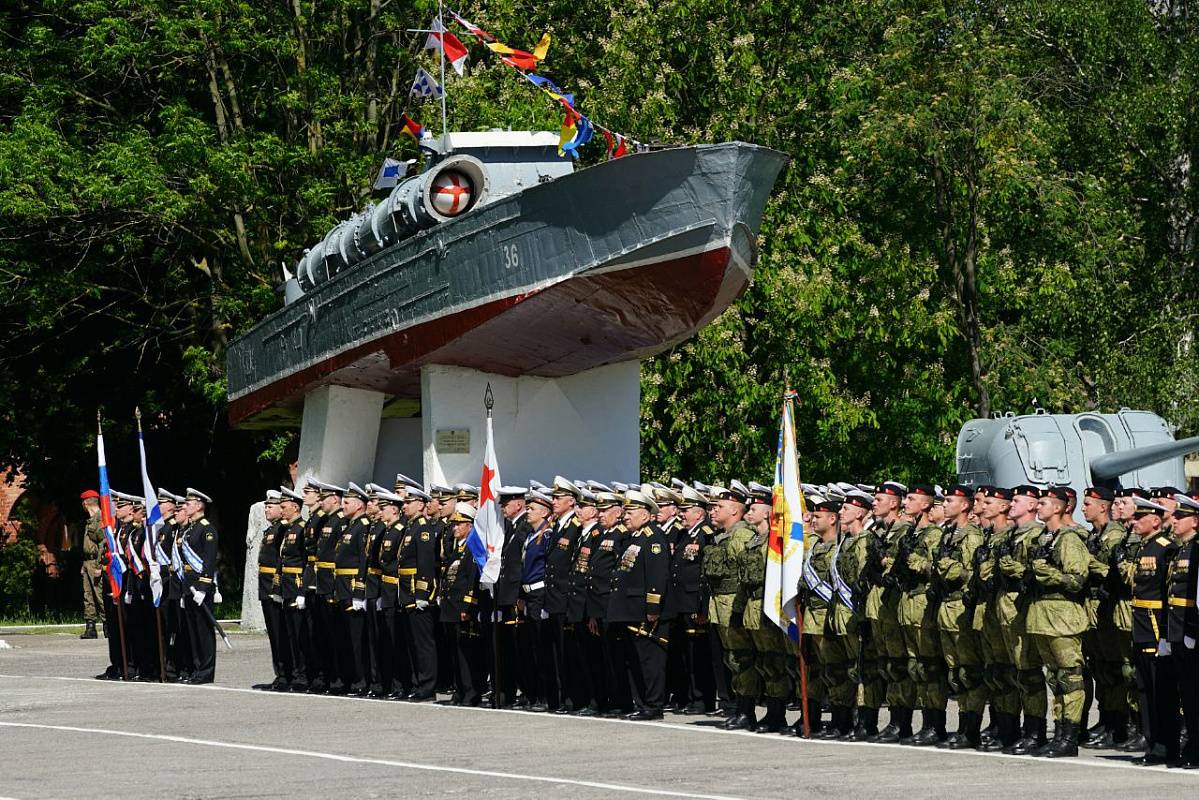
153 524
424 85
391 174
486 537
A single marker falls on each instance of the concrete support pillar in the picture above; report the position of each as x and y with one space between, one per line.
251 611
340 434
581 426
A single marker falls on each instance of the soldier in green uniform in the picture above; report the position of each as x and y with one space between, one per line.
855 555
93 549
961 643
1057 617
771 651
913 568
882 609
1105 646
1000 672
725 605
1011 562
839 643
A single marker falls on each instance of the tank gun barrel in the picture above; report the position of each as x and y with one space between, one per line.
1109 466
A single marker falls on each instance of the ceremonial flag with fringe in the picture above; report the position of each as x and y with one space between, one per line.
785 553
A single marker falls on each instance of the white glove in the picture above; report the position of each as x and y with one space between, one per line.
181 605
421 605
300 602
357 605
216 596
544 614
277 598
1189 641
379 604
128 599
198 596
1163 648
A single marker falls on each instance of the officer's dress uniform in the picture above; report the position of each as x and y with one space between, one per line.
417 586
180 662
694 686
638 590
293 559
377 669
585 672
1156 677
445 633
270 597
558 563
317 657
349 605
506 593
617 698
139 606
1183 634
539 681
325 608
202 542
395 667
458 606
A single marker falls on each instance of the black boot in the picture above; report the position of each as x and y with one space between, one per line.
846 726
955 740
1095 735
969 733
776 716
1066 743
1034 737
736 718
991 732
1007 732
746 719
932 728
1057 734
89 631
867 727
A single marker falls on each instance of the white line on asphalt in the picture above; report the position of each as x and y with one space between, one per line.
517 776
1088 761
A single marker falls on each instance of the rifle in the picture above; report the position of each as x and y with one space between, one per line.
976 587
1029 588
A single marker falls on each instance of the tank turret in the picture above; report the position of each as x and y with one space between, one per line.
1128 448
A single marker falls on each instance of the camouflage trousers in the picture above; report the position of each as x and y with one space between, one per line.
926 667
1003 685
813 668
872 677
893 661
1023 655
1062 656
93 599
739 657
966 673
838 660
772 658
1107 651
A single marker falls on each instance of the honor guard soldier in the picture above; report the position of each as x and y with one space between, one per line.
293 559
536 635
199 582
414 594
327 531
882 610
725 605
93 550
638 590
850 621
694 688
816 599
169 567
1151 649
993 504
605 555
1105 645
270 595
392 664
960 642
1012 559
459 608
1183 624
507 593
349 593
558 562
372 665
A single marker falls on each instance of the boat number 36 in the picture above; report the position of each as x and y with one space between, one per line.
511 256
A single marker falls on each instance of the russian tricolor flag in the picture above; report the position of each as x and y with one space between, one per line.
116 567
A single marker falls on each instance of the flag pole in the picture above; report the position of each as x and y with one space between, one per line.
441 24
497 616
162 655
117 601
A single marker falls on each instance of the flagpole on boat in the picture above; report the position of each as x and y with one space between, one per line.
441 24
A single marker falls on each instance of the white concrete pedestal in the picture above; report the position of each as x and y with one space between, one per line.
581 426
340 433
251 610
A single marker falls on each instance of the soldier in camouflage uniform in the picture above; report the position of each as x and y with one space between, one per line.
840 649
856 553
771 651
91 572
913 570
1057 617
1011 562
960 642
1104 646
882 609
1124 565
1000 671
725 605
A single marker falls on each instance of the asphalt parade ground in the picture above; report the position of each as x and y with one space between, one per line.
64 734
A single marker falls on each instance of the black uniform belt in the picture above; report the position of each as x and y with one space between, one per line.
1182 602
1139 603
